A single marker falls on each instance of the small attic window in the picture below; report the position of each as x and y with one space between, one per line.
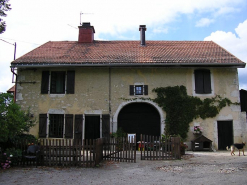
138 90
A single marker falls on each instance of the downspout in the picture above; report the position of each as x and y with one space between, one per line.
110 98
13 71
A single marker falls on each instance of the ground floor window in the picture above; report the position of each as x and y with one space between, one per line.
56 126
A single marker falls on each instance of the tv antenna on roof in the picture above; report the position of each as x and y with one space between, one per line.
81 14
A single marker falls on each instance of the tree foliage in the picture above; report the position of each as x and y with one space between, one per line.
13 120
4 7
181 109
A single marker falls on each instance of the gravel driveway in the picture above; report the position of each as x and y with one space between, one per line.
195 168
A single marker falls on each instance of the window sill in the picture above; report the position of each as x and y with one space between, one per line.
56 95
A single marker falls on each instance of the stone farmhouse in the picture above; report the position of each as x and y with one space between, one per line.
89 88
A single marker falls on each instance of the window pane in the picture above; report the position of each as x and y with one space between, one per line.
138 90
56 125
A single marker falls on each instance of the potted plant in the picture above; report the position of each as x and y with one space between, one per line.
198 130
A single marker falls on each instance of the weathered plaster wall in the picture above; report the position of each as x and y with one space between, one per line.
92 93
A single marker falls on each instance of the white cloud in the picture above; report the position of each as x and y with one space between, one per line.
160 30
204 22
236 44
226 10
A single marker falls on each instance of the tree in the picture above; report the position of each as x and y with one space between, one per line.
13 120
4 7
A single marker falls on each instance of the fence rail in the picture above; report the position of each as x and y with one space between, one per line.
156 148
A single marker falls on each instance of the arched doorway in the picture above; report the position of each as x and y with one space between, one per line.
139 118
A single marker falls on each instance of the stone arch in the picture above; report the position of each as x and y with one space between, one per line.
147 105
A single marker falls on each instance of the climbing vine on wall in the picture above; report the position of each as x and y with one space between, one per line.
181 108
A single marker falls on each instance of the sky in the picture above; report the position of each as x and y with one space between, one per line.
32 23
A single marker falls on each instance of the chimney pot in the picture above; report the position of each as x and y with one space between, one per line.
86 33
142 30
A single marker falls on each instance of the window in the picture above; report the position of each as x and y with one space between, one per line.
57 85
56 125
138 90
55 82
60 125
202 82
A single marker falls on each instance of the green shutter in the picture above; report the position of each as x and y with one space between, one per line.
131 90
78 129
42 125
199 82
45 82
106 125
69 126
145 89
207 82
70 82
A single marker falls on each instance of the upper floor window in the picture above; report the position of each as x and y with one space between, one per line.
57 85
203 81
58 82
138 89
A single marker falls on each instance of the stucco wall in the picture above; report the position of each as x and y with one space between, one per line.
93 85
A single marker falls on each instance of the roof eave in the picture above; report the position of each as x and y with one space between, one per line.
32 65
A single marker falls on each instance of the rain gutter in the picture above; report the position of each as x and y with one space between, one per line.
234 65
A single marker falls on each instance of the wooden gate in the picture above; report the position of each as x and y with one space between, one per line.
155 148
120 149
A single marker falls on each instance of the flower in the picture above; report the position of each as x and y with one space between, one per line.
198 129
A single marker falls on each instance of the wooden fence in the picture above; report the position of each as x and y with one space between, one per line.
69 152
156 148
120 149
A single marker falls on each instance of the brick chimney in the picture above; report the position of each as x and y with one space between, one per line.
142 30
86 33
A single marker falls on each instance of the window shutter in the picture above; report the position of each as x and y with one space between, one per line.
45 82
106 125
207 82
78 128
42 125
70 82
53 82
199 82
69 126
131 90
145 89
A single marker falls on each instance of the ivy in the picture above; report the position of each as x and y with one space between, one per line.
181 109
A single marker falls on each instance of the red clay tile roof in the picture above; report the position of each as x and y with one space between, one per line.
11 90
129 53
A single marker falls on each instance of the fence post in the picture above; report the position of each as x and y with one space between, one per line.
176 147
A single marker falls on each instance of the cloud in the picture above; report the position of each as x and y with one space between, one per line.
235 44
160 30
226 10
204 22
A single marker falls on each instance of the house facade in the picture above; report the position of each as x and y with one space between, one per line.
88 89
